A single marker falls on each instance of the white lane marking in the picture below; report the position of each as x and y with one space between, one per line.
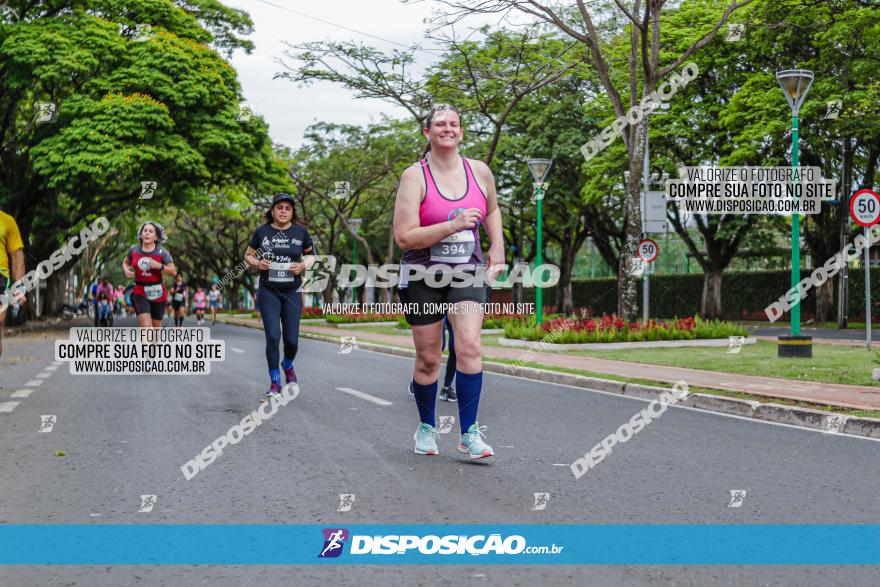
8 406
34 383
57 363
366 396
560 465
43 375
237 350
638 399
52 367
22 393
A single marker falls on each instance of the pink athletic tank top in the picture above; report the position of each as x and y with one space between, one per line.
460 248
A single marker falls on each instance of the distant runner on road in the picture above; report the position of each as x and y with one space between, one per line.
146 262
281 250
179 296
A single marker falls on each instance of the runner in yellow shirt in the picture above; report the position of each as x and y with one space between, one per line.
11 261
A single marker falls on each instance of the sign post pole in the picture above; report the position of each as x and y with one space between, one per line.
867 289
864 207
648 250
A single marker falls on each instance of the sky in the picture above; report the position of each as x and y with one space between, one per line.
289 109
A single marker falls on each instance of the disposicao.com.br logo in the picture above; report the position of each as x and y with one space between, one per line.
431 544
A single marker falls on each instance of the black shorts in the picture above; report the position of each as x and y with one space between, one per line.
142 305
429 301
176 305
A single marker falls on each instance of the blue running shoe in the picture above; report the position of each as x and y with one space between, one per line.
426 440
472 443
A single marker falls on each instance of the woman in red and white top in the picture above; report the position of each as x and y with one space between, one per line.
146 262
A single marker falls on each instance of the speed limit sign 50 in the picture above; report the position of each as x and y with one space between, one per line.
648 250
864 207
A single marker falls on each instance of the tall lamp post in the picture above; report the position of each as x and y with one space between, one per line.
795 84
539 169
355 224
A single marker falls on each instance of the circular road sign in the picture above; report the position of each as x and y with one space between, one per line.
648 250
864 207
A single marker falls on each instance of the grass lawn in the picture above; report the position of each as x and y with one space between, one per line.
830 363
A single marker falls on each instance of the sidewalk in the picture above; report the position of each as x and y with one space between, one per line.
833 394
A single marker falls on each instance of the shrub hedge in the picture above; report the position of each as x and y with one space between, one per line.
744 294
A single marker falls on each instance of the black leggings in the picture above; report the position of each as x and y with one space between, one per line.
280 311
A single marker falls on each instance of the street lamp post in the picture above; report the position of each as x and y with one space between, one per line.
355 224
539 169
795 84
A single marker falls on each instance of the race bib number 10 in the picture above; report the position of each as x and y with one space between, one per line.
280 273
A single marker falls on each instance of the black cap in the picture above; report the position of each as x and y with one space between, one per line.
283 197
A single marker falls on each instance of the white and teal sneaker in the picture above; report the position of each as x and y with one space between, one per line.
426 440
472 443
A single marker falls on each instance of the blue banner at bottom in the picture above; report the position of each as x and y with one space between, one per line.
191 544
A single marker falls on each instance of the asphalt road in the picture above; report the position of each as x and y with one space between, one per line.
128 436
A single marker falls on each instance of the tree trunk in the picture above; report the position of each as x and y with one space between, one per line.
563 288
627 283
825 302
710 306
55 287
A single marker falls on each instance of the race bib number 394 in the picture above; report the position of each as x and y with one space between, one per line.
457 248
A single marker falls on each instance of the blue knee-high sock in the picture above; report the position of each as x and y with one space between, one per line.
286 363
468 386
274 376
426 401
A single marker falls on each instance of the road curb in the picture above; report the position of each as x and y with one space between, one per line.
792 415
726 405
769 412
869 427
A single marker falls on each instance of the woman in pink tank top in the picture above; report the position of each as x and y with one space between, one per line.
442 202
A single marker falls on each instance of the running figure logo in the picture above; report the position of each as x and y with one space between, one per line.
347 343
636 267
142 32
834 424
541 501
148 189
833 109
341 189
734 32
737 496
446 424
245 113
48 423
538 193
147 503
346 501
334 540
316 278
736 343
45 112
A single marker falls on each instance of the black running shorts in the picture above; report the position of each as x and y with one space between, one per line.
425 303
142 305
